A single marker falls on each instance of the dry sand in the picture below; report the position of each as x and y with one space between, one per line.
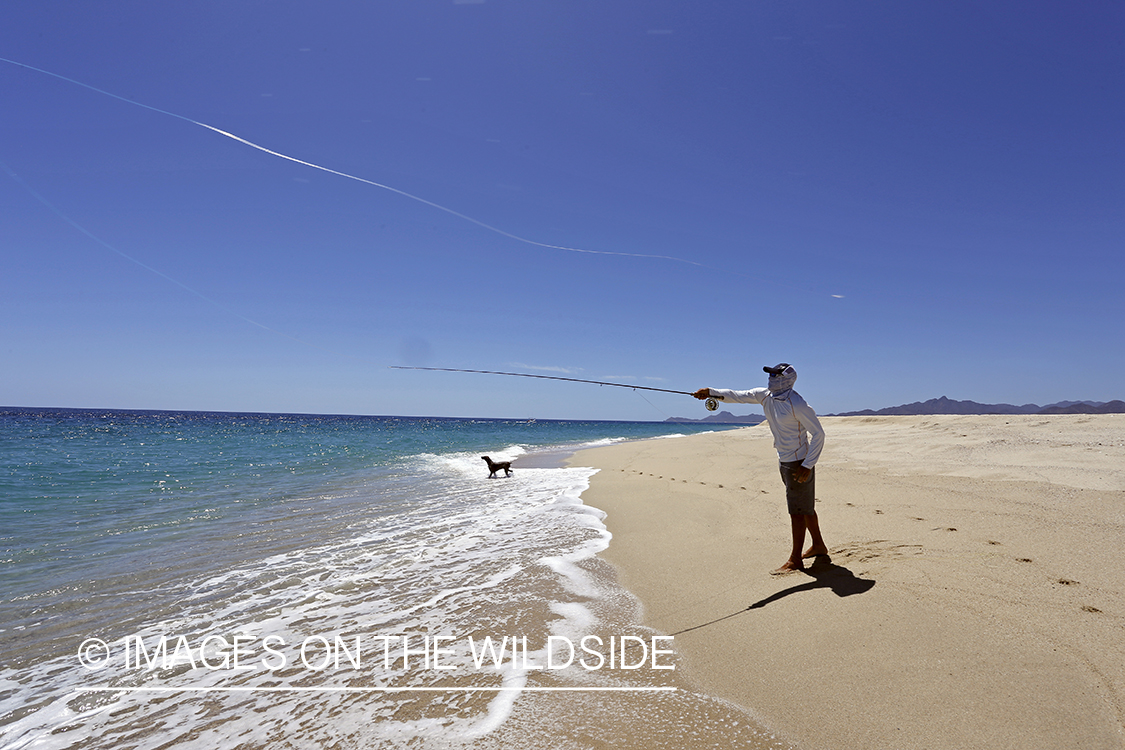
975 595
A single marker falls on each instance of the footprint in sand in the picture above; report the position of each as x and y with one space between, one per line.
876 549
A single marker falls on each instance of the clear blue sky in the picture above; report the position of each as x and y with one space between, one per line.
905 200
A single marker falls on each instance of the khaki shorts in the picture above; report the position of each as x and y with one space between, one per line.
801 497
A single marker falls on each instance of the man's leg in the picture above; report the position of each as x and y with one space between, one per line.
797 523
817 546
800 499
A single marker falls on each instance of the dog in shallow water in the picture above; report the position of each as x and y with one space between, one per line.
495 466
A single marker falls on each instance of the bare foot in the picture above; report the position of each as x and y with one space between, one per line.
788 567
815 552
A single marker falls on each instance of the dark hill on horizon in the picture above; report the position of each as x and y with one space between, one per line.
946 405
941 405
723 417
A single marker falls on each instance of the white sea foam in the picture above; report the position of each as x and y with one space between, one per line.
457 544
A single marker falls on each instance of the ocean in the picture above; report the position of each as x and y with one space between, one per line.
219 580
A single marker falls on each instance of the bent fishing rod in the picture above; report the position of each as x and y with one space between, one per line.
710 403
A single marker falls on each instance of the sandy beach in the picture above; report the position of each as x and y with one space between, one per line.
974 597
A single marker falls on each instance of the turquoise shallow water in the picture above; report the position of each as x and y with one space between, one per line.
307 529
82 490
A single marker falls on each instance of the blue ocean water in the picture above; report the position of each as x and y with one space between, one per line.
189 530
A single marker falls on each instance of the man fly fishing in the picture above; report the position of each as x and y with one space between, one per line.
792 422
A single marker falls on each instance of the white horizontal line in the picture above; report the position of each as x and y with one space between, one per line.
470 689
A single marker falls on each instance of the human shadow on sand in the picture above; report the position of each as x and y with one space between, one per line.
825 574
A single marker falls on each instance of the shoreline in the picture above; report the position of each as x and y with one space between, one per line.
973 598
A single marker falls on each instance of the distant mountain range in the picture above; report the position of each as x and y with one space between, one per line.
945 405
723 417
941 405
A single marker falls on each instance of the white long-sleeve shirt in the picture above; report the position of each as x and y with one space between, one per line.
791 420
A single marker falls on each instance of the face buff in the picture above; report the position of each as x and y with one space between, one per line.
782 381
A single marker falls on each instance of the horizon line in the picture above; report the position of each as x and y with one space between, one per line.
147 410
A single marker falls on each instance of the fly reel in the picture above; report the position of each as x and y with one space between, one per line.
711 404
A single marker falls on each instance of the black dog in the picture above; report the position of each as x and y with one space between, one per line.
495 466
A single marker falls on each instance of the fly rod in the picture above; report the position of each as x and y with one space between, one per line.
711 403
